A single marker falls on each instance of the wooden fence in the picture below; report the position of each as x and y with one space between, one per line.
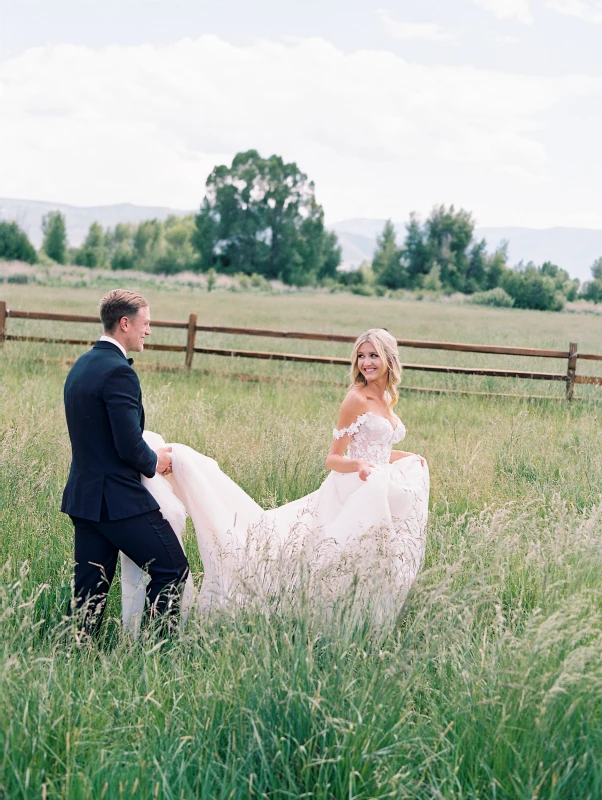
570 356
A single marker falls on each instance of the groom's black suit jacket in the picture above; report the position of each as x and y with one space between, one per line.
105 417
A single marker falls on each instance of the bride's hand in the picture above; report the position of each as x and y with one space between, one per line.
163 460
365 468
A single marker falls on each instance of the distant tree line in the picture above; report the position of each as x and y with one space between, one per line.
152 246
260 217
442 255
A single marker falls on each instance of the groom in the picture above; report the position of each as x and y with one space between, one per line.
110 508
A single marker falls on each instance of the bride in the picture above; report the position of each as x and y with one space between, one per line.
363 530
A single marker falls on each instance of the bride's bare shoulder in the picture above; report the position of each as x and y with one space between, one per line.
353 406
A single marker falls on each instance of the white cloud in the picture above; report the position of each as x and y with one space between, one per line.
585 10
508 9
417 31
147 123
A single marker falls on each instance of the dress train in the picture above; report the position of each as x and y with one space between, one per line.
369 535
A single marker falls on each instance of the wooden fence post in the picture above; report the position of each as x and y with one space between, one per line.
2 321
571 370
190 341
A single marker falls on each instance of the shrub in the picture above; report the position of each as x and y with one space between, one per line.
494 297
44 260
168 265
431 282
354 277
18 277
211 279
122 259
532 289
244 281
592 291
361 289
14 244
259 282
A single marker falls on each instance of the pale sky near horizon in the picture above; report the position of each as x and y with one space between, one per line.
493 105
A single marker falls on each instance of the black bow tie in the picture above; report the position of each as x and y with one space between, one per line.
130 361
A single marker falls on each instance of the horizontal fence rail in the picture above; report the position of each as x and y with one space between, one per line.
570 356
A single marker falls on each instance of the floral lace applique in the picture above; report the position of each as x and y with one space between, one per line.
372 437
353 428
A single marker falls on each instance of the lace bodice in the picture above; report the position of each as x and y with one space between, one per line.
372 437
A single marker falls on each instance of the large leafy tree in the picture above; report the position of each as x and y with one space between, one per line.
387 264
92 252
119 244
496 266
567 286
443 252
260 216
531 287
55 236
414 251
448 237
14 244
592 290
147 243
177 253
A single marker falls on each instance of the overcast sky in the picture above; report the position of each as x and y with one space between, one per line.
493 105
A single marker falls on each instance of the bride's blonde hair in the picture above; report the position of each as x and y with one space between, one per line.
386 347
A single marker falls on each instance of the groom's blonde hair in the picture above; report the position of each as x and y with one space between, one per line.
386 347
119 303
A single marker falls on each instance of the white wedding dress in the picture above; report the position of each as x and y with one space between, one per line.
367 537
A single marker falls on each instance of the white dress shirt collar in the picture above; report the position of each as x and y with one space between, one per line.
115 342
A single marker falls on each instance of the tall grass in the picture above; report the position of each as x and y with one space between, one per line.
488 685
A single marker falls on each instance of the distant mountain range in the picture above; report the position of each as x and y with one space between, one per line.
573 249
29 213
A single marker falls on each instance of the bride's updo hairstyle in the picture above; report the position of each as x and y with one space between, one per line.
386 347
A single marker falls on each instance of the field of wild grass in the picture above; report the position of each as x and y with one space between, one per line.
488 686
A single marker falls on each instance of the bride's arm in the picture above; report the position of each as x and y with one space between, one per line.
352 407
397 454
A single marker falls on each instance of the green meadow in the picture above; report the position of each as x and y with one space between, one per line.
489 685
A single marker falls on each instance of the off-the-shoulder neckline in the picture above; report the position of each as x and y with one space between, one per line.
371 413
385 418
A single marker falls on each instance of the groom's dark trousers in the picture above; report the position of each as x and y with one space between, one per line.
104 496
